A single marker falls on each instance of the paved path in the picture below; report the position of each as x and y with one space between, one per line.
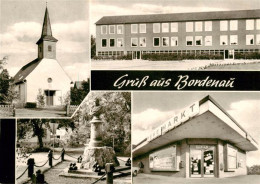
156 179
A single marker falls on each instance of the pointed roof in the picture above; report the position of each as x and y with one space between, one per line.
46 29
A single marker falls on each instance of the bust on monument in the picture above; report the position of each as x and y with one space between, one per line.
96 109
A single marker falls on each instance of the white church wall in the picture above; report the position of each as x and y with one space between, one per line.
38 79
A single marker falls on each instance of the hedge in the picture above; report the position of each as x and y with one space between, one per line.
30 105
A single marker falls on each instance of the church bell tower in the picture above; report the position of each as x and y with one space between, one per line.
47 43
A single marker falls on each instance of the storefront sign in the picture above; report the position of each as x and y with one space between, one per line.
175 121
163 160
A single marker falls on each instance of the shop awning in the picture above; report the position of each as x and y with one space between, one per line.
212 122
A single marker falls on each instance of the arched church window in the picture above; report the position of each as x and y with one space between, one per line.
49 80
49 48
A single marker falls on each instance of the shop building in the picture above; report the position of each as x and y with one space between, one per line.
203 140
224 33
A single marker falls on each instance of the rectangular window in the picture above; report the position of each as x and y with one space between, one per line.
49 48
208 40
165 42
112 29
120 42
198 40
250 25
189 26
250 40
142 42
258 39
174 41
223 40
198 26
142 28
233 40
208 26
156 42
119 29
134 42
233 25
224 25
230 154
258 24
174 27
156 28
112 42
165 27
189 40
104 42
104 29
134 28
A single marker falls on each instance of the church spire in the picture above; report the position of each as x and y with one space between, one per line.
46 27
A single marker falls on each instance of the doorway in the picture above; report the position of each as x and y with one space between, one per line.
136 54
49 97
229 54
202 161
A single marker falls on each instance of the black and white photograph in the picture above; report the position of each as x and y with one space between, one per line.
175 35
44 57
91 147
179 136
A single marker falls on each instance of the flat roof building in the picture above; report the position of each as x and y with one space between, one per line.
203 140
223 34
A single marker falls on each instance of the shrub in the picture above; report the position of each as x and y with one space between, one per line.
40 98
255 169
30 105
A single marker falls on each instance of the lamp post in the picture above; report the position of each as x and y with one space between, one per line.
53 129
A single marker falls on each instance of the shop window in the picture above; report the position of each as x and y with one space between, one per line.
208 26
223 25
120 42
112 29
189 40
208 40
223 40
250 40
104 42
250 24
104 29
233 25
49 48
165 27
258 24
134 42
174 27
134 28
164 159
165 42
230 154
112 42
198 26
119 29
174 41
142 28
156 42
156 28
198 40
258 39
233 40
189 26
142 41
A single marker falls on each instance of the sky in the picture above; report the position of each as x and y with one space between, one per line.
21 25
151 109
100 8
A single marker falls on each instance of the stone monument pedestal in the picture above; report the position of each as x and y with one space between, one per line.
101 155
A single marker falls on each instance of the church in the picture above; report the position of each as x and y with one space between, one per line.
44 73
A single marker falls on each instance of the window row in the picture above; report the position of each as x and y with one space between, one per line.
119 42
112 29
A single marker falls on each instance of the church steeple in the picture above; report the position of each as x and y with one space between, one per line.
47 43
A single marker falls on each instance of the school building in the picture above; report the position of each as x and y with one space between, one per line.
202 141
224 33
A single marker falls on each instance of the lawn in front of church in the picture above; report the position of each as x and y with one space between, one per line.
40 112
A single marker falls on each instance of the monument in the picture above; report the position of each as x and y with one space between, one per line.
95 152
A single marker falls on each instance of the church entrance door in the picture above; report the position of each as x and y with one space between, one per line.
49 97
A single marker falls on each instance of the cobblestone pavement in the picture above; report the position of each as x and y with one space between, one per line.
156 179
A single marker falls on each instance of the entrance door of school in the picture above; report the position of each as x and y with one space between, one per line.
49 97
229 54
202 159
136 54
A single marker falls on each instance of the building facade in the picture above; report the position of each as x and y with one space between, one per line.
227 33
44 73
202 141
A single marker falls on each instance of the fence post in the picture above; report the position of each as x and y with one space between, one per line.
62 154
109 170
13 111
30 163
67 109
50 154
